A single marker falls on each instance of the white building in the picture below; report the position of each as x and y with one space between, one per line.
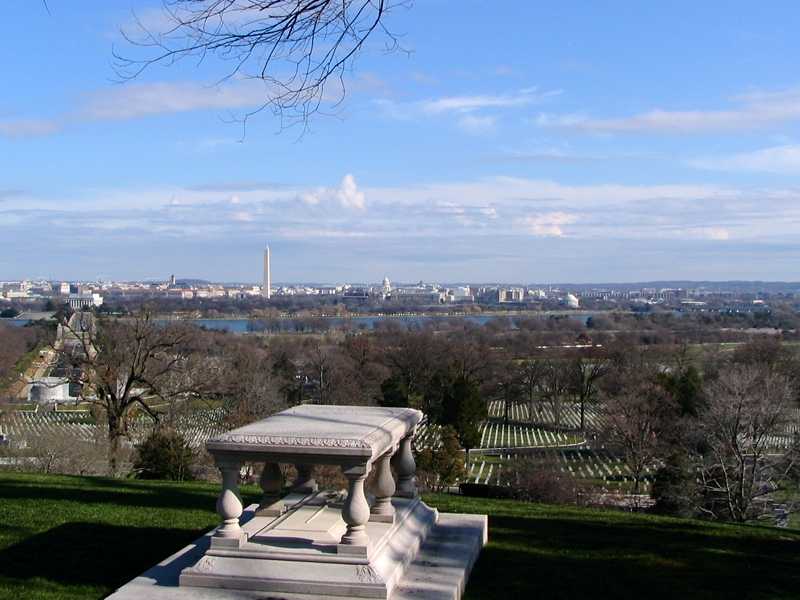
47 390
572 301
510 295
461 294
81 301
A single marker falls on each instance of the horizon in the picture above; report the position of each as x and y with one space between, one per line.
440 282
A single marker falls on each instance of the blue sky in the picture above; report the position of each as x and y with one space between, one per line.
583 142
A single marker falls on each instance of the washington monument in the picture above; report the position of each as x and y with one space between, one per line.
267 283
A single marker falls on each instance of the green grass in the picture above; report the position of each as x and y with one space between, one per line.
82 537
59 539
541 551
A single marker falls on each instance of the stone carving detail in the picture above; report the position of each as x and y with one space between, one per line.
272 440
378 435
206 564
367 574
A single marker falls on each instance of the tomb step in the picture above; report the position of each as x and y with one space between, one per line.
442 566
438 572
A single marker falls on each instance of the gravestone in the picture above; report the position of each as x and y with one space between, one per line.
382 542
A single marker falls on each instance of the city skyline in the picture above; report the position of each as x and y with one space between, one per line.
553 158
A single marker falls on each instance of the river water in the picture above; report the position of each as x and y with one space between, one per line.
356 323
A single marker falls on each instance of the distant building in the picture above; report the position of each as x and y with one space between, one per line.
356 295
421 294
47 390
461 294
181 293
693 305
81 301
537 294
572 301
510 295
756 306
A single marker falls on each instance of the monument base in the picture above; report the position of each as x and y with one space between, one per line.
422 555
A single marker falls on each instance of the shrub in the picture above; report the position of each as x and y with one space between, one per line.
483 490
536 482
164 455
675 488
439 468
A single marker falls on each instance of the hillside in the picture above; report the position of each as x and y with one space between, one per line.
59 539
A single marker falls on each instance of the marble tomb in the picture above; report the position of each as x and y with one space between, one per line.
382 542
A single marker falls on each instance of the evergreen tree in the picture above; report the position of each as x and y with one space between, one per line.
443 466
464 409
394 392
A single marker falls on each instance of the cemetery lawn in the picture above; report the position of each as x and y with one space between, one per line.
82 537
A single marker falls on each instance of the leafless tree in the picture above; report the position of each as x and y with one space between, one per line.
60 451
556 384
748 409
506 384
532 373
124 364
249 387
297 48
635 422
414 357
319 370
586 372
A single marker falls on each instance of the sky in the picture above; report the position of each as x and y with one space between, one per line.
581 141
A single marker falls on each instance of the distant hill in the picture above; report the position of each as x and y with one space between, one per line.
192 282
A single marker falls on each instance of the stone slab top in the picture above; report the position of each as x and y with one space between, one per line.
320 431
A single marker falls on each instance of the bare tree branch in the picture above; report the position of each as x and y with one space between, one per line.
297 48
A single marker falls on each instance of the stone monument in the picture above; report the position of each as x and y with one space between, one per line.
382 542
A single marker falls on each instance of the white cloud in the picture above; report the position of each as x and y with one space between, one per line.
21 128
312 198
750 111
346 195
302 233
464 104
546 224
715 233
476 125
349 195
466 108
492 209
136 100
130 101
242 216
783 160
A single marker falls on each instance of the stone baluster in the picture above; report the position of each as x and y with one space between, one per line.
305 482
271 483
384 488
405 468
229 505
355 511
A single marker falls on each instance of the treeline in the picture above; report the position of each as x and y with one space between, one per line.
716 422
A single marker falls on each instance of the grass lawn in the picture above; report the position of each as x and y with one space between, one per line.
62 537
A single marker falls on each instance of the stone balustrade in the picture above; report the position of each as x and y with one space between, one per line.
357 439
